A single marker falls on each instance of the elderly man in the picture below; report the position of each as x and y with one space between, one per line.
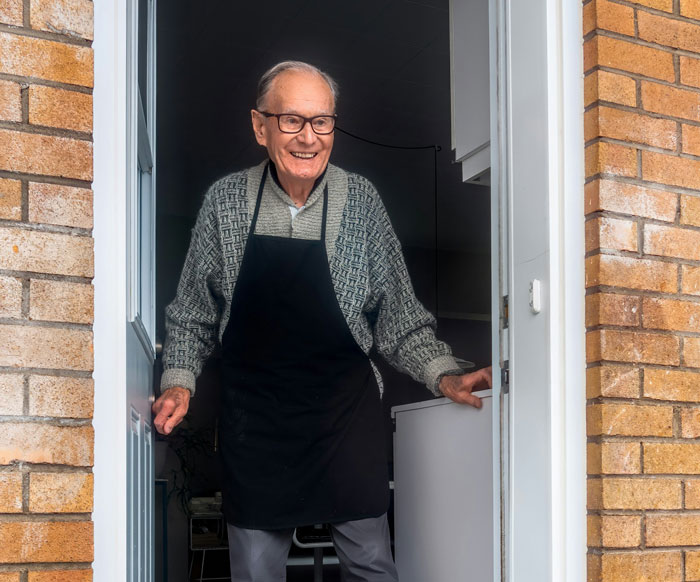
294 267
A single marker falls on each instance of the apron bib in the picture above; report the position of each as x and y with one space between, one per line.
301 427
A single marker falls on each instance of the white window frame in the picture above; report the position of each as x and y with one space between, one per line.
567 553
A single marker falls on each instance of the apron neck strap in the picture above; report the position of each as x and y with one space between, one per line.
254 222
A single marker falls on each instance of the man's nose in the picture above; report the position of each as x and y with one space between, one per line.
307 134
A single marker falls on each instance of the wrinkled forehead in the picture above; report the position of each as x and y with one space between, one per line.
300 90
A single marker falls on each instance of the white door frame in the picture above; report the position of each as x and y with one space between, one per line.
565 528
538 83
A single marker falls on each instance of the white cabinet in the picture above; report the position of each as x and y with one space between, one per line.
470 81
443 481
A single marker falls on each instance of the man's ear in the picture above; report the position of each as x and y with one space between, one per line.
259 128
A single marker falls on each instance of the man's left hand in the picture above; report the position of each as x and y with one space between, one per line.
460 388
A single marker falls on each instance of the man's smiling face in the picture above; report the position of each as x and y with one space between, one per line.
301 157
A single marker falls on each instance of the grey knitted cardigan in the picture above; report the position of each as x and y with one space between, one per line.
366 264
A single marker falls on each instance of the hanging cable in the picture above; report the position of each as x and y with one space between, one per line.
436 148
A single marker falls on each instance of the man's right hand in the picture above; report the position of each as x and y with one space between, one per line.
170 408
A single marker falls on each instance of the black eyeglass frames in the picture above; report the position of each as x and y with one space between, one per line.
293 123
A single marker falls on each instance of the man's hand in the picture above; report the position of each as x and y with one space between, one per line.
170 409
460 388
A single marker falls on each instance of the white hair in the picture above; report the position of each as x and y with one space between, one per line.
265 82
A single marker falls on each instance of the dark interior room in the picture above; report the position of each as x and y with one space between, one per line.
391 59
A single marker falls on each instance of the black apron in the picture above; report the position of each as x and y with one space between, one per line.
301 434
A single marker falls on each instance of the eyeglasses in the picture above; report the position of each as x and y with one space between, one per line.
292 123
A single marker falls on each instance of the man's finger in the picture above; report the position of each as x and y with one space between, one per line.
471 400
167 408
175 419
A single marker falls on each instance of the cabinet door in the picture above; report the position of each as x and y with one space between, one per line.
443 491
470 79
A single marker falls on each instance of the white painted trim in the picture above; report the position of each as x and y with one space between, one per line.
568 372
109 185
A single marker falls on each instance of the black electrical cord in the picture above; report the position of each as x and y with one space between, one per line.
436 148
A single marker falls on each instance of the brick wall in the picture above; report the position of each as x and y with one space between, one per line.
642 131
46 266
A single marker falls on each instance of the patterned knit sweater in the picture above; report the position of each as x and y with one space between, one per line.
366 264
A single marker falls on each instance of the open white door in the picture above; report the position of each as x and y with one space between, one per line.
140 265
124 185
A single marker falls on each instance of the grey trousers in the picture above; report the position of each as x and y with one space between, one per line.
363 548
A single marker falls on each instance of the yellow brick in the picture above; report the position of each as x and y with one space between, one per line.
60 301
10 199
692 566
629 420
9 576
690 423
671 101
28 56
614 458
690 280
611 233
690 9
614 53
11 13
670 314
49 155
608 16
626 493
60 108
60 492
672 385
671 170
669 32
691 352
34 442
691 139
10 101
612 309
64 205
665 5
641 567
61 576
632 127
613 381
690 210
616 531
10 297
62 397
593 568
606 86
608 158
630 199
670 241
45 252
690 71
10 493
11 394
672 530
44 347
621 458
31 542
631 273
628 346
671 458
692 494
71 17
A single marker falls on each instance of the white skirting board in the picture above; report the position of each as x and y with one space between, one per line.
443 476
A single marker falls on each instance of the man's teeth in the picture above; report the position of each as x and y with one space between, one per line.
305 156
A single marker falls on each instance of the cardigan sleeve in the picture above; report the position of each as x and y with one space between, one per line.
403 329
192 319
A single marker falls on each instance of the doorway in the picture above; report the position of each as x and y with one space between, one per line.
392 61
